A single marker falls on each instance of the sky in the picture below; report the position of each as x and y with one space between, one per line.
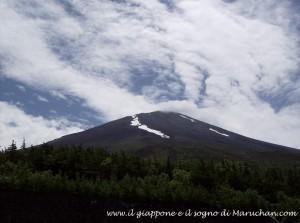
68 65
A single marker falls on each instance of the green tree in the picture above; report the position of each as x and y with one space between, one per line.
12 147
23 146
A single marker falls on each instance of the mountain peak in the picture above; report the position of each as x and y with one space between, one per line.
162 132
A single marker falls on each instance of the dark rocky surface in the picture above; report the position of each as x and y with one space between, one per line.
188 139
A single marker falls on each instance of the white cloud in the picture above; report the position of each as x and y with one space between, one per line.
21 88
15 124
41 98
216 58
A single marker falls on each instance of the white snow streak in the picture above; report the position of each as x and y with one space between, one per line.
135 122
188 118
216 131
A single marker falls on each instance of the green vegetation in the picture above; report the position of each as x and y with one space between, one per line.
94 172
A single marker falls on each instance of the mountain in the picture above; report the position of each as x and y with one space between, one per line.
178 136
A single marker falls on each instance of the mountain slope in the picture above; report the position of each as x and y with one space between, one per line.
178 136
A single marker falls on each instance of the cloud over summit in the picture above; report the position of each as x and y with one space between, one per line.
230 63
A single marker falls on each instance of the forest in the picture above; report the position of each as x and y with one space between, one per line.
97 173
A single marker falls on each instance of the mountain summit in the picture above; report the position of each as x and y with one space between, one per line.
177 136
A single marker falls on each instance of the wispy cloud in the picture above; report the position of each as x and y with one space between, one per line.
225 63
21 88
41 98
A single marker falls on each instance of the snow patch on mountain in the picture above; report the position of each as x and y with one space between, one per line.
220 133
135 122
188 118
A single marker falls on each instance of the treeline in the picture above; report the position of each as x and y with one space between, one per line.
95 172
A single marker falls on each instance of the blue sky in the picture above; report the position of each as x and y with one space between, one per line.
68 65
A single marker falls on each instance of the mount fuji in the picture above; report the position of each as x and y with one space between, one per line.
177 136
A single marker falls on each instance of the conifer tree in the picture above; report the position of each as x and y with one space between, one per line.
12 147
23 146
